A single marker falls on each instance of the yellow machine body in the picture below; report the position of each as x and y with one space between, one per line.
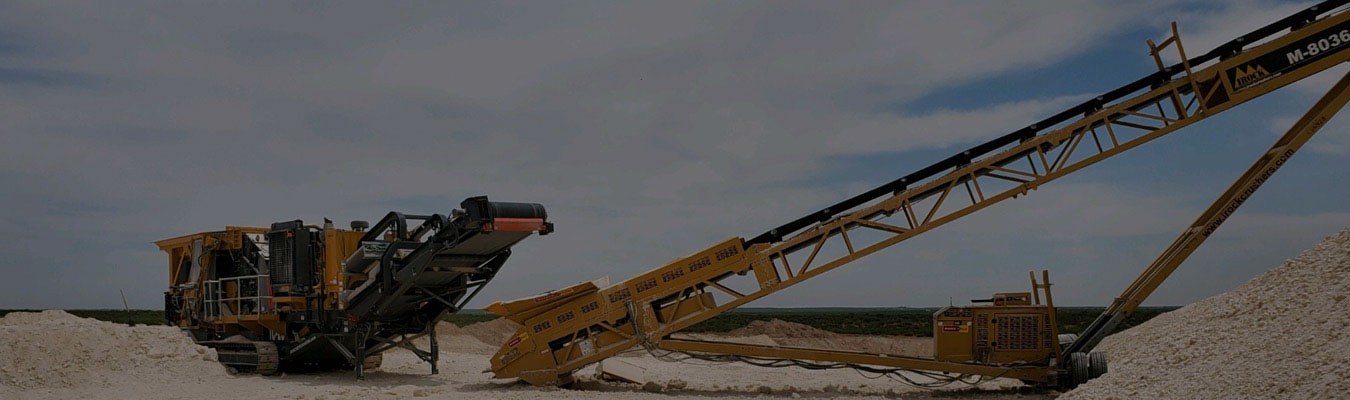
245 314
297 296
997 334
1014 338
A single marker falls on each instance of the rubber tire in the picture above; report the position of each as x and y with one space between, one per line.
1096 364
1079 368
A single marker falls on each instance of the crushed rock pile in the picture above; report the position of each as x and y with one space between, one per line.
53 349
791 334
480 338
494 332
453 339
1281 335
781 329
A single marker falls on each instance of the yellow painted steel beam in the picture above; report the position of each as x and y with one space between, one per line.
1194 235
559 337
1030 373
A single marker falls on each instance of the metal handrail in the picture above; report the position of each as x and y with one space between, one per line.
259 297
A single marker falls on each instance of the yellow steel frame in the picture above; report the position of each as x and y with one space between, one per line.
1194 235
561 335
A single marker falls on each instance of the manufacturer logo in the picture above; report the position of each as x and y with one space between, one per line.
1245 76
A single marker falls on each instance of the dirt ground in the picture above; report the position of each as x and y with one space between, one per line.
406 377
1208 350
185 372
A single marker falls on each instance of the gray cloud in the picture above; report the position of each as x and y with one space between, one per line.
649 129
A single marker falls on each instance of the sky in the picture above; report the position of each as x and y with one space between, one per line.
649 130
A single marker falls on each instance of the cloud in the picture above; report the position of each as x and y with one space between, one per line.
649 129
1204 28
1085 211
942 128
1334 138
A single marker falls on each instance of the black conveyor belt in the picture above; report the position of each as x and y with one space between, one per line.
965 157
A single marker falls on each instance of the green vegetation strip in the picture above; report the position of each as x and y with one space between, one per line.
905 321
854 321
860 321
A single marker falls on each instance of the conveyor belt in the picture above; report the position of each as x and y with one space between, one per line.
566 330
411 275
1234 46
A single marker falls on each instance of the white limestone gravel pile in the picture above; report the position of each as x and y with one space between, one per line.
53 349
1281 335
477 338
790 334
494 332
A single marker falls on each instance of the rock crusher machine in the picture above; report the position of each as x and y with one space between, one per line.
1015 336
303 297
